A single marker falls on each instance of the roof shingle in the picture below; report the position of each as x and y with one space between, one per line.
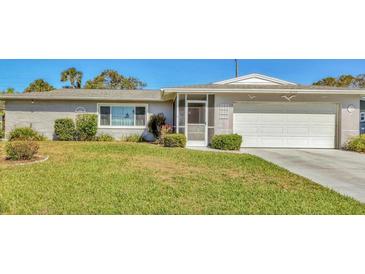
89 94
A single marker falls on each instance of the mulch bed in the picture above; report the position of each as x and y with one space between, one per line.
36 159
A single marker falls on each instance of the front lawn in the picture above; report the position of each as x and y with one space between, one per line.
127 178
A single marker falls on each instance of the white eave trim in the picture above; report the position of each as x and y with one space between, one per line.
274 91
255 75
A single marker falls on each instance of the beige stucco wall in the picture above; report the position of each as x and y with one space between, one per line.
348 123
41 115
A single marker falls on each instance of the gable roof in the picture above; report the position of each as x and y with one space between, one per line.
254 79
89 94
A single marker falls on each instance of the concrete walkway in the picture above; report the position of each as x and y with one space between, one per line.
342 171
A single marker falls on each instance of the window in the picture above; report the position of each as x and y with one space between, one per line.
223 111
140 116
122 116
105 116
362 116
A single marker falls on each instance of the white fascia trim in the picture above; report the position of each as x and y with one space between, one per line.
275 91
255 75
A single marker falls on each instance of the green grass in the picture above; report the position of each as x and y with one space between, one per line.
128 178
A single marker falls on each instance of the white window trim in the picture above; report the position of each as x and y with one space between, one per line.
122 105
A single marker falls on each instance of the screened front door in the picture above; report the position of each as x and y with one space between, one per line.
196 126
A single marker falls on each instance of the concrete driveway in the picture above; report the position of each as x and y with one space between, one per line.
342 171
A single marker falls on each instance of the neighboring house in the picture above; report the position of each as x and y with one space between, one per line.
266 111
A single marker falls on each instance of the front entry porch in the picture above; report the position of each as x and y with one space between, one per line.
195 118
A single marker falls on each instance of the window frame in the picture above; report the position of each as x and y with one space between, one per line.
99 105
362 113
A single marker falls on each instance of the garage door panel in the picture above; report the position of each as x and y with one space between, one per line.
300 142
272 131
298 131
248 131
249 141
323 118
273 142
325 131
270 118
247 118
300 125
320 142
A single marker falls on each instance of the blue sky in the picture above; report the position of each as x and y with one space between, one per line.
166 72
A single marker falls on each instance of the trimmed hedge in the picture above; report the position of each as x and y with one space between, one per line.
65 129
21 150
227 141
104 138
356 143
25 134
174 140
86 126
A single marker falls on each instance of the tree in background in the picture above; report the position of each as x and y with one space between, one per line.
343 81
39 85
73 76
9 91
111 79
359 82
328 81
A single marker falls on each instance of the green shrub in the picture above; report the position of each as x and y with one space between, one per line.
21 150
104 138
2 133
155 123
227 141
86 126
65 129
356 143
134 138
174 140
24 134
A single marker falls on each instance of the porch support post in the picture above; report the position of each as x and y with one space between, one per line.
177 113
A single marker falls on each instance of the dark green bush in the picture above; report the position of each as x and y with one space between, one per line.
65 129
174 140
21 150
227 141
86 126
104 138
155 123
24 134
2 133
356 144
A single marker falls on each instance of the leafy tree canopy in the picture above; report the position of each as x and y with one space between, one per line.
343 81
39 85
9 91
73 76
111 79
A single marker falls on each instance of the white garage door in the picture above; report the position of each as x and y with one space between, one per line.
287 125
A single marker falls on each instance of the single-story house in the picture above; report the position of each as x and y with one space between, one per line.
266 111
